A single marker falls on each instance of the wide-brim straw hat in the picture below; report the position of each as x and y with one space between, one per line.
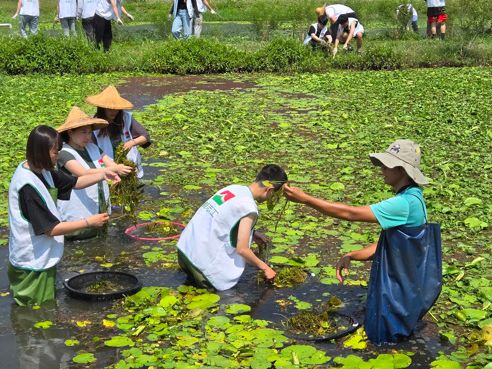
77 118
109 98
405 154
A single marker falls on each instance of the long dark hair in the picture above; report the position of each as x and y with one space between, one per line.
115 128
39 143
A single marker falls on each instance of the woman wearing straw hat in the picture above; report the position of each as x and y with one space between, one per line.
36 232
406 272
122 128
78 157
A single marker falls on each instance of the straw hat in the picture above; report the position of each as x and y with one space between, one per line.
405 154
109 98
77 118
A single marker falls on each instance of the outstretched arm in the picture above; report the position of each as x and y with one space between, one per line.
242 246
332 209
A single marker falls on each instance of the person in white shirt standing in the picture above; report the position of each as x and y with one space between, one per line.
436 15
85 11
28 12
215 245
182 13
333 12
200 7
66 12
106 11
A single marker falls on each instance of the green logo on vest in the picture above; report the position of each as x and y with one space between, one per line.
222 197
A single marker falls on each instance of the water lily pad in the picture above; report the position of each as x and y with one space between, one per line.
203 301
237 309
119 341
84 358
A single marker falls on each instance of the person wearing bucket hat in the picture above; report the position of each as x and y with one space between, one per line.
405 213
78 157
122 128
36 238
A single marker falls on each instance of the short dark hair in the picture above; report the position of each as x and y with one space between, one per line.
39 143
342 18
323 20
274 174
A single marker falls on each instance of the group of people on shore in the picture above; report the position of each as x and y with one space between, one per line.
95 15
344 25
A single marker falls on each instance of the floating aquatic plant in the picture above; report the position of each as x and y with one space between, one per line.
286 277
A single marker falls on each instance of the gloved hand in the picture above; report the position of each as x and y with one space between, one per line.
15 16
213 12
169 16
323 43
345 47
119 21
130 16
334 51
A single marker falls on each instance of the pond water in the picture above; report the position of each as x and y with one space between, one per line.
23 346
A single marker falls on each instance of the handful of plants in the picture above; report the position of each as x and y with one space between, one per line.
287 276
127 193
275 199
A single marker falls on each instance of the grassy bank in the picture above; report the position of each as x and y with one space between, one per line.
57 55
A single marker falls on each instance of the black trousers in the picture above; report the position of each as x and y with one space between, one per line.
102 32
88 26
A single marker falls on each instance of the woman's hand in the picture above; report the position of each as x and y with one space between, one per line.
122 169
97 220
294 194
109 175
129 144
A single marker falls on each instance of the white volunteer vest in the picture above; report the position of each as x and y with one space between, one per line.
206 240
83 202
104 142
26 250
308 37
86 8
67 9
29 7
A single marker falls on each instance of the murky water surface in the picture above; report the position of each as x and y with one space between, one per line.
23 346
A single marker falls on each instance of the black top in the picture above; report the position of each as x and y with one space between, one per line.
33 207
64 157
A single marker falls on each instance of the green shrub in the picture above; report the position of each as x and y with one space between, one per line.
50 55
373 58
280 55
196 55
